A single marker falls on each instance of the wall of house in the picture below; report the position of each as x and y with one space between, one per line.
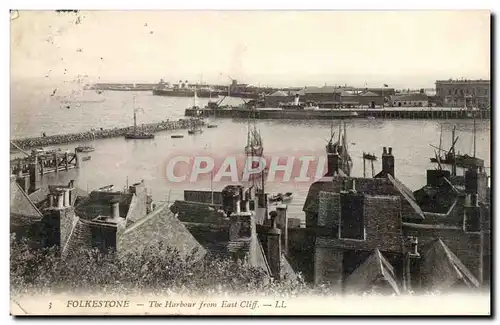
411 103
383 227
367 100
301 251
328 267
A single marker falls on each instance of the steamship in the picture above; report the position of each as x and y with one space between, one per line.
183 89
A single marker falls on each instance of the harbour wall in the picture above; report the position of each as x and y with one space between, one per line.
34 142
319 114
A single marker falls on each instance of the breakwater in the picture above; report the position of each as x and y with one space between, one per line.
49 140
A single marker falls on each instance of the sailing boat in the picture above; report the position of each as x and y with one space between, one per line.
457 160
340 147
254 145
196 121
138 134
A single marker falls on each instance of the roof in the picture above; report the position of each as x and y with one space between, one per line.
410 97
279 93
369 274
407 195
442 269
160 226
22 210
301 92
369 93
80 238
370 186
98 203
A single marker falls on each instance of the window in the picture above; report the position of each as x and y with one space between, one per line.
352 223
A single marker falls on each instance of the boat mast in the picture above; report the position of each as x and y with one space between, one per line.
440 139
211 186
135 117
454 164
474 136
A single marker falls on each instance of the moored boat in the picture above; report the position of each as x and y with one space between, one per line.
138 134
85 149
280 197
176 136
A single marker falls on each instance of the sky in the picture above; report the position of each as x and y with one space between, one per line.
405 49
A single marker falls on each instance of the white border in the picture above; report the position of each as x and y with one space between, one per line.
200 4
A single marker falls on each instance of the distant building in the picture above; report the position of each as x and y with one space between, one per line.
464 93
410 100
325 97
278 97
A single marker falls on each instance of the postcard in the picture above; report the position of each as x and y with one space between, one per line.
250 163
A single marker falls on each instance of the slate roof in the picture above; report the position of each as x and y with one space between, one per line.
279 93
370 186
79 238
159 226
441 268
22 210
370 272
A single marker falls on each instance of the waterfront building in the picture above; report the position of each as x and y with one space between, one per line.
278 97
464 93
410 100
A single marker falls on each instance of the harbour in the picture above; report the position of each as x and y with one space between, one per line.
359 173
148 157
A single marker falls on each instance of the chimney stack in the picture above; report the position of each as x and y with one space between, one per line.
273 253
241 226
388 162
282 224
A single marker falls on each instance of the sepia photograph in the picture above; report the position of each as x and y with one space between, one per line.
250 162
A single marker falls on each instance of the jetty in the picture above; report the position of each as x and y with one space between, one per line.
424 113
49 140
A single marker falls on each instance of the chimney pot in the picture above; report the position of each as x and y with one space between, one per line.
385 151
60 200
390 150
50 197
115 209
